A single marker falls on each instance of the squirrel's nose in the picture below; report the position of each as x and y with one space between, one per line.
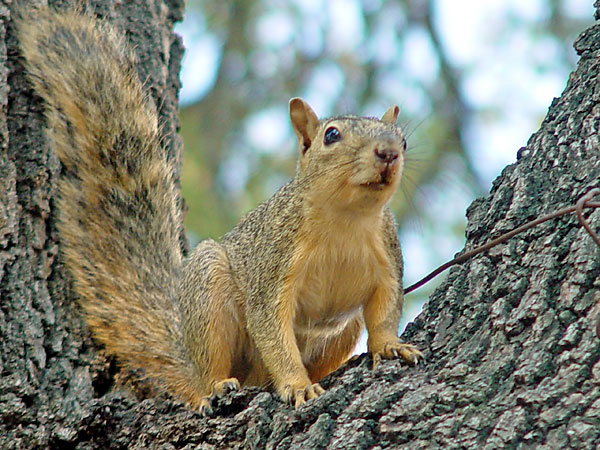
386 155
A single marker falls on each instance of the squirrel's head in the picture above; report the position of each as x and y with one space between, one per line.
353 162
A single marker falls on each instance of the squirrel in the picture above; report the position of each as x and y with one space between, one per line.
281 300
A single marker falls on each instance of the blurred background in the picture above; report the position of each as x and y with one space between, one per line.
473 80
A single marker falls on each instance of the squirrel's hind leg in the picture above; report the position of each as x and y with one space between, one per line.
336 351
210 305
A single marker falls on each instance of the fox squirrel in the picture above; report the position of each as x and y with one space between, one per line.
282 300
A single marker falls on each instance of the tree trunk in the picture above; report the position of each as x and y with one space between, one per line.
512 357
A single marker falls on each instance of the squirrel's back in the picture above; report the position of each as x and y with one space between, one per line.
119 221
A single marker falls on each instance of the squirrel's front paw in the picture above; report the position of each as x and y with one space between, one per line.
396 349
298 393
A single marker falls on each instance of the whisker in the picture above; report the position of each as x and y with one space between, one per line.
408 133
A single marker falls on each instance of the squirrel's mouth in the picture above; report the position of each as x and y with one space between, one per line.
386 177
376 185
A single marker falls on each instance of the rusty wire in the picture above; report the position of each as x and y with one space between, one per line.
583 202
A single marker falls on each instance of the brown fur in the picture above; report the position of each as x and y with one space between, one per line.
282 300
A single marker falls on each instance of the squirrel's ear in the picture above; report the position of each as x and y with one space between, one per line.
304 121
391 115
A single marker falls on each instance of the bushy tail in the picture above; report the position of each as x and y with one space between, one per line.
119 220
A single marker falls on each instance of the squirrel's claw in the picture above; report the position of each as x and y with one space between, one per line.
394 350
218 389
222 387
308 393
205 408
299 395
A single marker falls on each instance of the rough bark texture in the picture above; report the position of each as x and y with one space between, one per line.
51 373
512 358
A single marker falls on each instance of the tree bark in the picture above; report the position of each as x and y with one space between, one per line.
512 357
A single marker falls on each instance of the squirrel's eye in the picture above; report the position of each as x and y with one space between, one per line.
332 134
